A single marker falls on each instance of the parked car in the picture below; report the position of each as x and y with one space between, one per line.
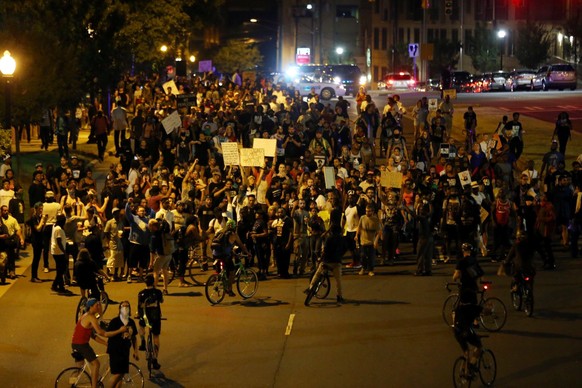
326 88
494 81
559 76
349 75
519 79
462 81
397 81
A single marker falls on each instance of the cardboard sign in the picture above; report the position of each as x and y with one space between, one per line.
252 157
268 145
320 161
391 179
185 100
452 93
172 122
329 177
230 153
483 214
465 178
171 85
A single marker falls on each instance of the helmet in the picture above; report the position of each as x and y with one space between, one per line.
466 247
230 224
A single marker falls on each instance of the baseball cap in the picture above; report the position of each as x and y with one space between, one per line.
38 165
6 157
49 194
115 209
91 302
474 185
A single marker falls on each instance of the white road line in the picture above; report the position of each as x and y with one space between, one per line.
290 324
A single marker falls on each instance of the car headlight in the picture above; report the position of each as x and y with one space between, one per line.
363 80
337 80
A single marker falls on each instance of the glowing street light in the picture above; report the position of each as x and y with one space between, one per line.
501 34
339 51
7 64
192 58
164 48
7 68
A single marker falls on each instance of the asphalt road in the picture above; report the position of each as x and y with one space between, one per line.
389 333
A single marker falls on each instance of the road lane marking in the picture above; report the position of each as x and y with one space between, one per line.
290 324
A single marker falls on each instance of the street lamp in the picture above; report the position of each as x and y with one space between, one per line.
7 68
339 51
501 34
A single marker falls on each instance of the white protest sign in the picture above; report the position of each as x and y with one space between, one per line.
329 177
432 104
252 157
465 178
230 153
269 145
172 122
172 86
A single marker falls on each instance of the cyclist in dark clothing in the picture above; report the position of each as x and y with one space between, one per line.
86 271
149 302
222 250
468 272
333 252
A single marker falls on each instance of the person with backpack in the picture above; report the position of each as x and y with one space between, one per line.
222 245
502 211
450 221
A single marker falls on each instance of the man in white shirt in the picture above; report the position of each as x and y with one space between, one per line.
5 193
119 124
58 249
350 223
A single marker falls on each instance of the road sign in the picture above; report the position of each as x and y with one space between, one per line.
413 50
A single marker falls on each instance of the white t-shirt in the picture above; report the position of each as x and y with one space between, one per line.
58 232
352 218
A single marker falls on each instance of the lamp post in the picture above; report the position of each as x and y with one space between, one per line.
501 34
276 27
7 68
339 51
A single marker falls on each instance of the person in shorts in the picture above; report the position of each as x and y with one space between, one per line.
162 248
88 327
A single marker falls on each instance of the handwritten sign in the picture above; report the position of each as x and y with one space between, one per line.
230 153
172 86
186 100
172 122
252 157
269 145
465 178
391 179
329 177
432 104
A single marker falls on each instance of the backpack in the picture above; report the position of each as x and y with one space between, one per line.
219 243
474 269
501 213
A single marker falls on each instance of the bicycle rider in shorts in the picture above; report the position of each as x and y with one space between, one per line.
149 301
88 327
468 309
223 252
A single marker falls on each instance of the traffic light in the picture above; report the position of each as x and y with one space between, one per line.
448 7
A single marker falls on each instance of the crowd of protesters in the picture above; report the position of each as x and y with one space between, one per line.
171 192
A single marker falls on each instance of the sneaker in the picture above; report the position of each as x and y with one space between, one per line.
371 273
128 279
340 300
155 364
46 270
35 280
361 272
230 293
352 265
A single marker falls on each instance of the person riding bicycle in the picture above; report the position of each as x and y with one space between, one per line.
521 254
332 254
149 302
222 245
468 273
87 327
87 273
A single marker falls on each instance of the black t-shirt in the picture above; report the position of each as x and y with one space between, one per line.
119 346
150 299
469 288
85 272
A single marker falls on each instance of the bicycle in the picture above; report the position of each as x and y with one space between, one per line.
247 281
464 374
81 376
493 312
103 298
522 294
321 287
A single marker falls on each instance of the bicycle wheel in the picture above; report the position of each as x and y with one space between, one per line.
460 378
323 288
487 367
493 315
247 283
104 302
449 308
150 356
80 308
134 378
73 377
516 297
196 269
528 300
214 289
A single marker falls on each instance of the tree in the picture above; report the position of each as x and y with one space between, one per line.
533 45
483 49
237 55
445 54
